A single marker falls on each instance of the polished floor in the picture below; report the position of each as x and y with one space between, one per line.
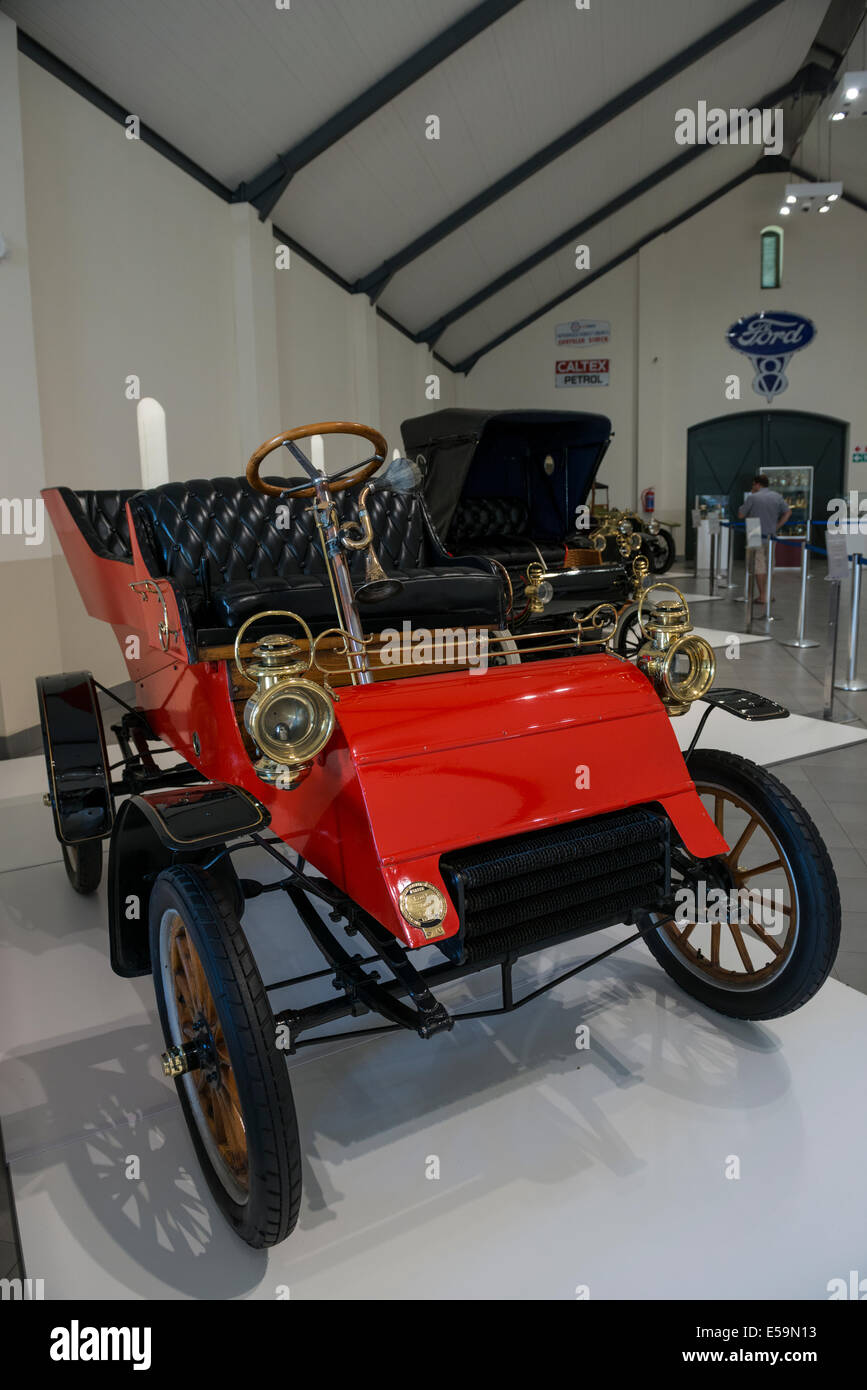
550 1161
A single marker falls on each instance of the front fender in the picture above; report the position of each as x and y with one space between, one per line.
188 825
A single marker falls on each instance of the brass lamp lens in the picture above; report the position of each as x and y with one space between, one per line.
292 721
689 668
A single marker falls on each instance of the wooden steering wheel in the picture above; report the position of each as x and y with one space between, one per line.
349 477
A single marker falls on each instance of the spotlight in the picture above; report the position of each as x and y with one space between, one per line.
832 197
784 211
824 208
791 198
851 94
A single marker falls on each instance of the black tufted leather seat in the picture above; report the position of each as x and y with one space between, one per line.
499 527
232 552
101 518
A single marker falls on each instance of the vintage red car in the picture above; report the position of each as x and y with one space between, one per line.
483 809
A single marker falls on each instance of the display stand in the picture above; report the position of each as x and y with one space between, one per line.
801 640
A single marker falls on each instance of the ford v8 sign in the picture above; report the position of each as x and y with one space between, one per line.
770 339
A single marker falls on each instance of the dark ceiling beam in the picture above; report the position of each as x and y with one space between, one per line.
375 282
93 94
434 330
284 239
467 364
70 78
268 187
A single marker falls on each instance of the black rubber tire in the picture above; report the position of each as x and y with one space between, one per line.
265 1093
815 881
628 637
662 551
83 865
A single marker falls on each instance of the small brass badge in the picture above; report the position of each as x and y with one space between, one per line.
424 906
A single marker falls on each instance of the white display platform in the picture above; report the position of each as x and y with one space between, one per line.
558 1167
720 636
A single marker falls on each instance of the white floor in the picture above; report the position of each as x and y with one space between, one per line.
558 1168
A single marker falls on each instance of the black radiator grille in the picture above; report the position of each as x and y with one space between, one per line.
528 889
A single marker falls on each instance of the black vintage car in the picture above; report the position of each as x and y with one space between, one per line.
514 485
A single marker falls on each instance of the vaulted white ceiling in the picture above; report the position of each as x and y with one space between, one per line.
344 91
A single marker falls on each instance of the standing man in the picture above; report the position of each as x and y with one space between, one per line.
772 512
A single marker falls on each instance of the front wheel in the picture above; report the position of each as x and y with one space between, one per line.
755 932
628 637
236 1099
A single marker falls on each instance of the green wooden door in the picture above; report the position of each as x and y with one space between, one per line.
725 454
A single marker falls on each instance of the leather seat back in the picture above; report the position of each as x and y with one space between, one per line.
221 531
101 518
488 518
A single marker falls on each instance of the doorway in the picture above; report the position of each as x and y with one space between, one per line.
724 455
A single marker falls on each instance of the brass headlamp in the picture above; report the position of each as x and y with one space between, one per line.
680 664
538 591
289 718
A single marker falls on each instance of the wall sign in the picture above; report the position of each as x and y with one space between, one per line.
769 340
582 371
583 333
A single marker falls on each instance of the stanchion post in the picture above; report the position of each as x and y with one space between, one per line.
712 571
745 597
769 581
831 663
801 640
852 682
731 542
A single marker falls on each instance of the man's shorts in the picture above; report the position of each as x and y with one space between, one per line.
759 558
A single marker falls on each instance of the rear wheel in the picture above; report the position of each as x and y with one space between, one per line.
83 864
661 551
762 945
237 1100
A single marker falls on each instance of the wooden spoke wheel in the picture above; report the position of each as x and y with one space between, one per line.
212 1086
755 931
232 1080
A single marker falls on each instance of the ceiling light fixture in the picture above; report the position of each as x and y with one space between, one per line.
784 211
851 98
803 196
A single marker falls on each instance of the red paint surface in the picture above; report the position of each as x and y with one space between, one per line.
416 767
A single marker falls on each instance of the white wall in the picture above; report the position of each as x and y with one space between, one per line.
338 360
121 264
26 566
670 308
520 373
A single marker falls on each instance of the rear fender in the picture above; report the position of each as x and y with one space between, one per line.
189 825
79 782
